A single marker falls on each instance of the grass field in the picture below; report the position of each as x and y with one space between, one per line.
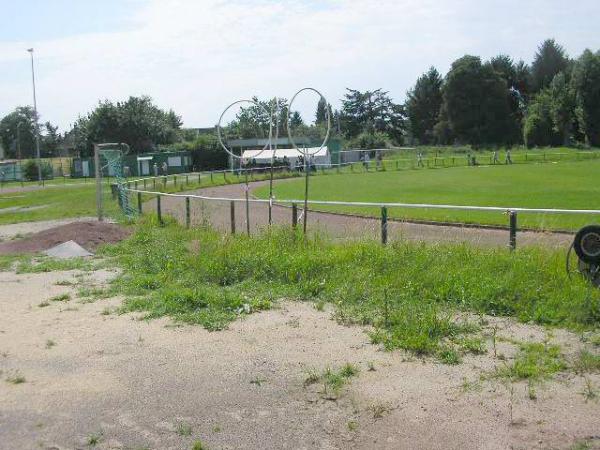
199 276
564 185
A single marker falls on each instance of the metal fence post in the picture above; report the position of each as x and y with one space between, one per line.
174 180
187 212
144 183
139 199
384 222
294 215
512 242
165 182
158 209
211 176
199 180
232 215
154 183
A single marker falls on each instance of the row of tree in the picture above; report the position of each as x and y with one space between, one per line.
556 101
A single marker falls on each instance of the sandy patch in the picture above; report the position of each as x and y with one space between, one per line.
133 383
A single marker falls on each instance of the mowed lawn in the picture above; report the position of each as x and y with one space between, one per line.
564 185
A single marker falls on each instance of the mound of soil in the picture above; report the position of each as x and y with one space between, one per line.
90 235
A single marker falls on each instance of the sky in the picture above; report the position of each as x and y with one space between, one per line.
197 56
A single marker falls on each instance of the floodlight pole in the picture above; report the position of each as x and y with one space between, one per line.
37 126
19 151
98 183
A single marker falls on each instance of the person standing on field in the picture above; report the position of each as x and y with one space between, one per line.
495 159
508 158
155 169
165 168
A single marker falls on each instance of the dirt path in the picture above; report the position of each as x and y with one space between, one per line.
90 374
339 226
11 231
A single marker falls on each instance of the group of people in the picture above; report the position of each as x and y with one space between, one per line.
472 159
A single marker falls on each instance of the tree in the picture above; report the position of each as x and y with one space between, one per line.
539 129
549 60
25 116
371 111
296 120
423 105
321 114
476 102
136 122
585 82
562 107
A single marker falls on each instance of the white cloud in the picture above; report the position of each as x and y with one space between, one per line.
197 56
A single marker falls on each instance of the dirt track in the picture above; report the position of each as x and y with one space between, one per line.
339 226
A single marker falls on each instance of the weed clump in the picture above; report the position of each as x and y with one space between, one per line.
409 293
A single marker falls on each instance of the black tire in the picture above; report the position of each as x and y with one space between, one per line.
587 244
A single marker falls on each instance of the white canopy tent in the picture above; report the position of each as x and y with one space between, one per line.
320 157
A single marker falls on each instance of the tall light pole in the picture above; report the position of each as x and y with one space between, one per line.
37 126
19 151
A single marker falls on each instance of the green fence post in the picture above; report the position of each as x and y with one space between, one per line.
199 180
512 241
139 199
174 180
211 177
187 212
294 216
154 183
232 216
165 182
384 221
159 210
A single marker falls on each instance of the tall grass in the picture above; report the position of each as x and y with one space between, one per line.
410 293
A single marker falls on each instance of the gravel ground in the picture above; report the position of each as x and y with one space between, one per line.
93 375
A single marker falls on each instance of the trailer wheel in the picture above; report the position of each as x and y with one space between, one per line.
587 244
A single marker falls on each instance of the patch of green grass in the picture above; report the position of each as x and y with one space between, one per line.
535 361
43 304
184 429
333 380
61 298
448 355
16 378
94 439
46 264
50 343
199 446
409 293
586 362
568 185
8 262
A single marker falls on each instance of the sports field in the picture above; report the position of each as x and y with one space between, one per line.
564 185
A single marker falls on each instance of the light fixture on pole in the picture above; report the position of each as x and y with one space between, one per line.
37 126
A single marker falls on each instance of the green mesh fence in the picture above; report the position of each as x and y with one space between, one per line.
114 164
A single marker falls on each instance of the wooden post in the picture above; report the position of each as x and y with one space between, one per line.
139 199
294 216
512 242
158 210
232 216
384 222
187 212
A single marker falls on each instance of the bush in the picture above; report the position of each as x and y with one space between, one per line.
30 170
